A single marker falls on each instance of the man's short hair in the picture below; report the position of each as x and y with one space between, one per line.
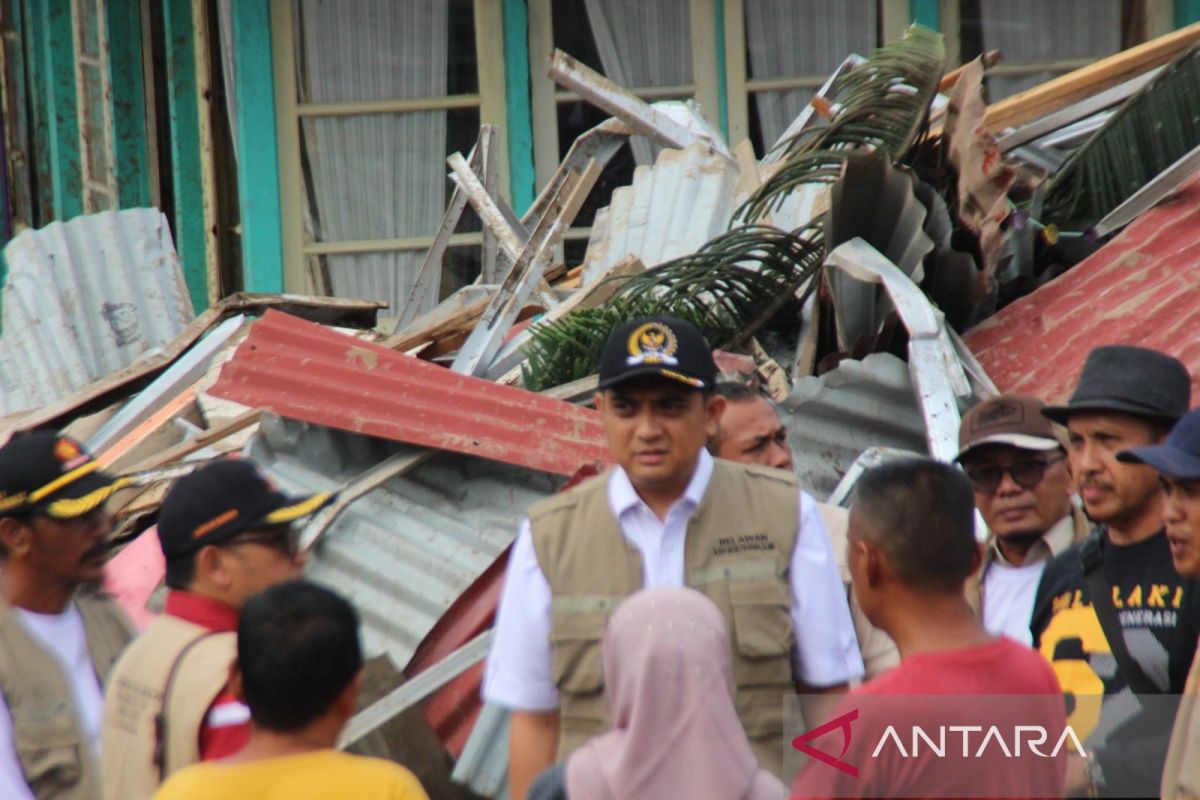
180 572
921 514
298 649
736 392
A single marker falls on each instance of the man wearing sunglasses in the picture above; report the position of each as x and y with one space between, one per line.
226 534
59 635
1112 615
1023 491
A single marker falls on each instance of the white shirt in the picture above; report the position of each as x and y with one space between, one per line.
518 673
63 636
1009 591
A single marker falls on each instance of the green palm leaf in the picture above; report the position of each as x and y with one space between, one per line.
728 289
883 104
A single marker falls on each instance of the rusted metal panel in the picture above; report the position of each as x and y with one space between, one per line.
1139 289
304 371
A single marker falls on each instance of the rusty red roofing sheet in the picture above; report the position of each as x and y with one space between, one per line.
1142 288
304 371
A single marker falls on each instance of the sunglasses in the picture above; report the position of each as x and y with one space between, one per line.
1026 474
285 539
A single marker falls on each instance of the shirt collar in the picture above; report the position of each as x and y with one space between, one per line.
622 496
203 611
1054 541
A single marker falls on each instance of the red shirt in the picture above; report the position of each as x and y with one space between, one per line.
226 726
992 687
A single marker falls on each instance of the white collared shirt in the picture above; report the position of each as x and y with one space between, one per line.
1009 591
518 673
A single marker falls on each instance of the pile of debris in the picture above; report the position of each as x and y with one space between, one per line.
837 272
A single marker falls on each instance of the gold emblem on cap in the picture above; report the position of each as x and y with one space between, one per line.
652 343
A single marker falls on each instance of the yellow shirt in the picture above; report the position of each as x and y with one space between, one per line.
320 774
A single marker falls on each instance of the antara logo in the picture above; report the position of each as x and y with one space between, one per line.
921 742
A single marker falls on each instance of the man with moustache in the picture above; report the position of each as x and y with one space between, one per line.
1178 463
59 635
1111 613
1023 491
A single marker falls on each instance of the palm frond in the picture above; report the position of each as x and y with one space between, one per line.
728 289
883 104
1152 130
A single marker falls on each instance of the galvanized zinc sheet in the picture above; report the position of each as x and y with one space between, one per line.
303 371
670 210
833 418
85 298
1138 289
406 551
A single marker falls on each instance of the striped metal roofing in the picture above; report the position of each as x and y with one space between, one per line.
1139 289
307 372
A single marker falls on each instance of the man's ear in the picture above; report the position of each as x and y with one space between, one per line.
212 567
715 408
875 567
598 401
236 686
346 703
15 535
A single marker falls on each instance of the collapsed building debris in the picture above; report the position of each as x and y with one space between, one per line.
840 267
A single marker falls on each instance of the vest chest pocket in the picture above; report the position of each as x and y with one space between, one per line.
763 634
576 638
48 747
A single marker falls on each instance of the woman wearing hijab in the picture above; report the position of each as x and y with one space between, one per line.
668 671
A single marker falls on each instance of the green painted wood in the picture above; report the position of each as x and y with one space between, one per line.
58 168
186 167
722 82
521 175
131 154
926 12
1186 12
257 148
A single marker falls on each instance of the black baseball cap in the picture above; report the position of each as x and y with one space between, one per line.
662 346
220 500
1177 457
44 472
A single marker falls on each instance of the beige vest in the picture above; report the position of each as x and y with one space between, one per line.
146 738
1181 772
737 552
51 746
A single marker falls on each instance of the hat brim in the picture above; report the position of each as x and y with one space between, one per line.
81 496
1166 459
1021 441
1061 414
653 371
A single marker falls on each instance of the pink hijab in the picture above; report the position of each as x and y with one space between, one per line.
675 732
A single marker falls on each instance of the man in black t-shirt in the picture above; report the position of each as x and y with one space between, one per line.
1126 397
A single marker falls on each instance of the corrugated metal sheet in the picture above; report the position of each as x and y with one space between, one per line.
306 372
483 765
833 418
670 210
405 552
1138 289
85 298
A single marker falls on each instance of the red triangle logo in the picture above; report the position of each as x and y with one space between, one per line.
842 723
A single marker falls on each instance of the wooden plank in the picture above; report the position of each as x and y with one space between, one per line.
211 436
1075 86
177 405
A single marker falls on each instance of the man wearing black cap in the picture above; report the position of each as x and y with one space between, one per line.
1111 613
667 515
59 636
226 533
1178 463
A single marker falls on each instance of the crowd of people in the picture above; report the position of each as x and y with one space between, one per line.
664 629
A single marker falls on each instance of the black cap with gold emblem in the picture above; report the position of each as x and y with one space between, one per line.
658 346
47 473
